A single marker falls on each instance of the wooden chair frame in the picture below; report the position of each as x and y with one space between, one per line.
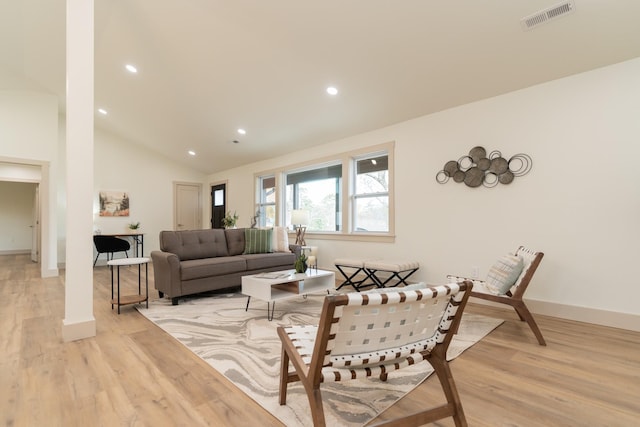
319 355
514 297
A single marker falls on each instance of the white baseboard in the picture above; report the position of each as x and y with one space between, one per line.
597 316
16 252
50 272
78 330
594 316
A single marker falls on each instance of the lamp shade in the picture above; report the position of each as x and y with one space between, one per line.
299 217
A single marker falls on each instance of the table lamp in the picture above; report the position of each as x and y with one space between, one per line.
300 219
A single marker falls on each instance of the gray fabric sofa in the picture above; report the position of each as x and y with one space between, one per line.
194 261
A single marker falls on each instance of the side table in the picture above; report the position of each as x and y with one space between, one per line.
130 299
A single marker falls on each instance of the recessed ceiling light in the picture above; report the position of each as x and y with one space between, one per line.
130 68
192 153
332 90
242 131
102 111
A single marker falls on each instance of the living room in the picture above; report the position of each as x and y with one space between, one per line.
558 208
579 203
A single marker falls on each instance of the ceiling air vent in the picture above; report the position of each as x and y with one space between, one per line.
547 15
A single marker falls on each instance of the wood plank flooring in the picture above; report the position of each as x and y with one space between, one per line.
134 374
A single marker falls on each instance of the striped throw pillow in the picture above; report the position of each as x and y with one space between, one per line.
504 273
257 241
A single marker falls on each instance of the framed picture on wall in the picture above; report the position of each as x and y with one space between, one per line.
114 203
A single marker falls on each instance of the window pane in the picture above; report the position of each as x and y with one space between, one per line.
371 198
268 216
267 201
268 190
371 214
372 176
218 198
318 192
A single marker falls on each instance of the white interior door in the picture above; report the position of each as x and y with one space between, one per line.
187 206
35 226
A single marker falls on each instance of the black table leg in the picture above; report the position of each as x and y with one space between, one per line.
118 289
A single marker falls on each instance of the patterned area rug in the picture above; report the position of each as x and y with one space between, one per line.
244 347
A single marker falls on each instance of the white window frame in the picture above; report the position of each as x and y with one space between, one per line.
262 204
355 196
347 160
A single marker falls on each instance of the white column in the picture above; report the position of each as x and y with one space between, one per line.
79 321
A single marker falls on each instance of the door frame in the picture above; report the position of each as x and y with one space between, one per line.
35 227
226 198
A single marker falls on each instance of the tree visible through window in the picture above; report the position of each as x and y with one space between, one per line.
317 191
371 195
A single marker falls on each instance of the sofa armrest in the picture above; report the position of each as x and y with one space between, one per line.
296 249
166 273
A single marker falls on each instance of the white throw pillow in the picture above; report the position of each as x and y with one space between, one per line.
504 273
280 240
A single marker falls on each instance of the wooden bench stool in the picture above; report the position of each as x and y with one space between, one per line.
400 270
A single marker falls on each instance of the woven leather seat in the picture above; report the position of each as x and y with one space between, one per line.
372 335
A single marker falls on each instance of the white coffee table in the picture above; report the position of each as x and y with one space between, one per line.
281 285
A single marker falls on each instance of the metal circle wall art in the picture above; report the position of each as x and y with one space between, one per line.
477 168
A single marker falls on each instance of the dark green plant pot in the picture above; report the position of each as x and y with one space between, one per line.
300 265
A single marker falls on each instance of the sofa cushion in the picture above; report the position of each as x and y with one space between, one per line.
257 241
280 242
208 267
235 240
194 244
275 259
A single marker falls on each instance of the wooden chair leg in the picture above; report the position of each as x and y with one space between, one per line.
441 367
315 402
526 316
284 373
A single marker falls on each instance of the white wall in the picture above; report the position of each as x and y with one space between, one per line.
16 216
580 204
29 135
147 177
32 135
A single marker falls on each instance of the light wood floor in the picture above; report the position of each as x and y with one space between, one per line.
133 374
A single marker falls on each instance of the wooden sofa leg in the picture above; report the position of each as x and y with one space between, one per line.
174 301
161 294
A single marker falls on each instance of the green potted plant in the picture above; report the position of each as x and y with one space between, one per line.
134 226
301 263
229 221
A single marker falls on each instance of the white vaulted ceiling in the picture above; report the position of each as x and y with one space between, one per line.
209 67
